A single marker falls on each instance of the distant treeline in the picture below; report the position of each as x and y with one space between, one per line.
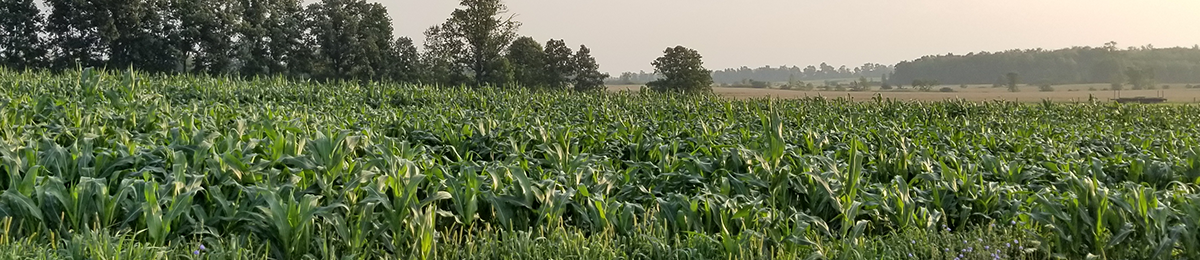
772 74
1106 64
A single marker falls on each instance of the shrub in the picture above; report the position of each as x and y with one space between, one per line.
963 86
1046 88
1166 87
1092 89
886 87
840 88
947 89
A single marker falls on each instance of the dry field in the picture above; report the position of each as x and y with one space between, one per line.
1063 93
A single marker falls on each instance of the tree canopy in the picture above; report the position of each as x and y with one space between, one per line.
327 40
682 70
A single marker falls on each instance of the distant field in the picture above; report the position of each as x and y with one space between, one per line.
1063 93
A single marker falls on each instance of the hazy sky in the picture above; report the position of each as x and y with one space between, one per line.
626 35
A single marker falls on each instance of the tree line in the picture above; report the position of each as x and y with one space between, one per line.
1107 64
477 45
744 74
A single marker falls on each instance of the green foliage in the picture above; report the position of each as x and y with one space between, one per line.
1075 65
352 39
558 68
1140 78
1012 79
588 77
473 39
97 165
683 71
925 85
528 60
20 45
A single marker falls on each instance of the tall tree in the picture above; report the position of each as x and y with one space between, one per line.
404 61
528 60
75 37
587 75
559 67
141 36
207 35
682 70
483 31
352 38
253 37
20 45
287 47
444 59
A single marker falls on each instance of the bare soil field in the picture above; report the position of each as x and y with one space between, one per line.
1177 93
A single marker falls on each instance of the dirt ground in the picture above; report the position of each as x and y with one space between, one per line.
1177 93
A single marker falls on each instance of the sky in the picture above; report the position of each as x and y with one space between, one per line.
626 35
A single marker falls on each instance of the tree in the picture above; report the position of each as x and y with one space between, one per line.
75 37
588 77
682 70
1140 78
206 39
482 32
528 60
253 32
925 85
863 84
1011 79
559 67
444 58
352 38
20 45
141 36
405 62
289 54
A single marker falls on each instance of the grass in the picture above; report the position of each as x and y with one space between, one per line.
100 165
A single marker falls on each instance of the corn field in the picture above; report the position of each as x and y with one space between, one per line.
106 165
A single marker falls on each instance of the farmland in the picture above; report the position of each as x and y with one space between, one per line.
1177 93
114 164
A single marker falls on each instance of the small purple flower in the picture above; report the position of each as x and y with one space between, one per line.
1016 242
202 248
987 247
910 255
1008 245
1014 222
196 252
912 242
946 249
